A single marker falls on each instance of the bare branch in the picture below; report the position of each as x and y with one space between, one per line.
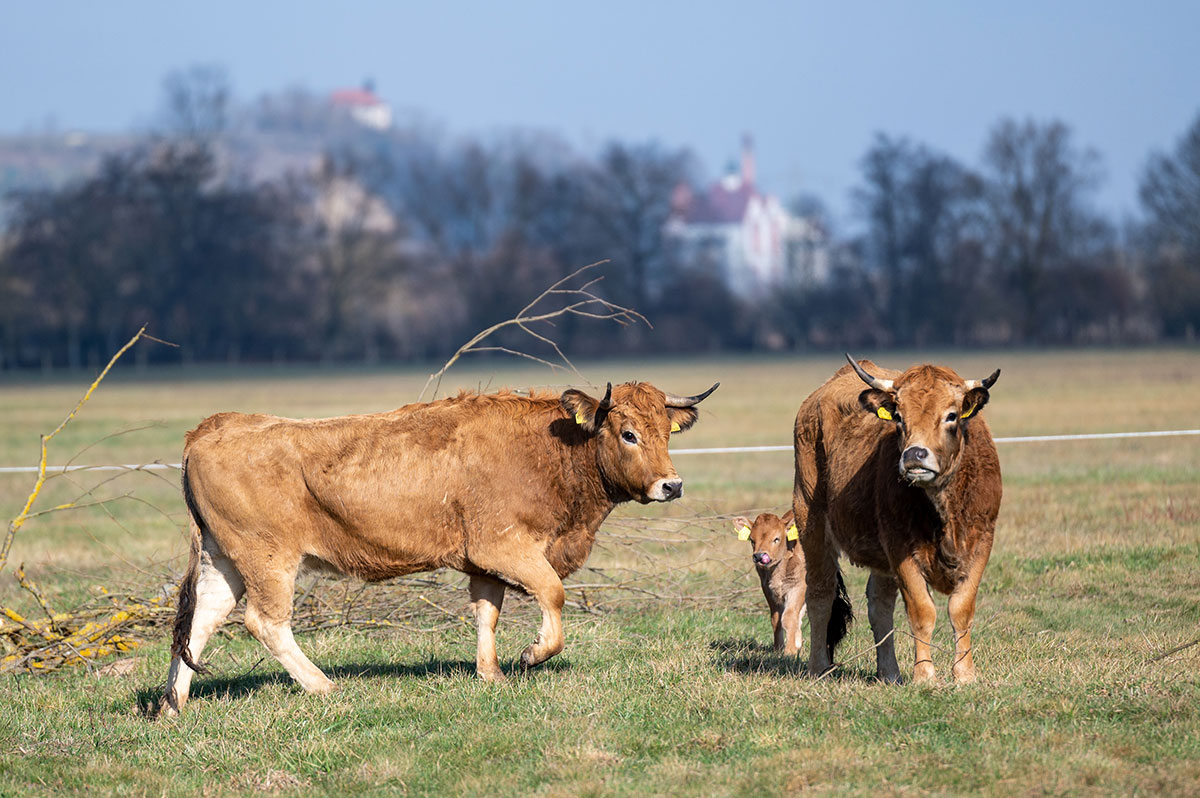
579 301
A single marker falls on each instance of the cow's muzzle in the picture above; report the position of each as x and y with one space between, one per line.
918 465
666 490
762 559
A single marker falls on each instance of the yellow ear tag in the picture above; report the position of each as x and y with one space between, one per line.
793 533
884 414
743 533
969 413
675 426
579 419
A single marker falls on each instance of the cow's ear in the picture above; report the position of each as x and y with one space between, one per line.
682 418
973 402
742 527
879 403
584 410
788 517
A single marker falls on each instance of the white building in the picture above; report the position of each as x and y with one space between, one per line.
363 106
746 236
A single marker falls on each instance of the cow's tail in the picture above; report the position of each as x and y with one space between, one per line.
186 603
840 618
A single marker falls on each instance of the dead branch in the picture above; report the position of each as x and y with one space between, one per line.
579 301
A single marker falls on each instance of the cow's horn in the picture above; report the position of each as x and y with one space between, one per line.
874 382
688 401
602 408
987 382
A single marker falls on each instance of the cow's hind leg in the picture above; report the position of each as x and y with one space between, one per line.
269 619
218 588
487 596
820 559
881 610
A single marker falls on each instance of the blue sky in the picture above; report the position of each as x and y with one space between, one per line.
812 83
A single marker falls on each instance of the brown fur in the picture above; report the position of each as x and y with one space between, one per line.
779 564
508 489
853 497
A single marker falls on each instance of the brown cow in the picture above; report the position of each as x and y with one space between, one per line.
508 489
902 478
780 566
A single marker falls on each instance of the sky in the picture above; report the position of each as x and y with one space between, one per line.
812 83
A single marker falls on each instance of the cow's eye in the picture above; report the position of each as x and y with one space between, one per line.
951 417
776 540
628 436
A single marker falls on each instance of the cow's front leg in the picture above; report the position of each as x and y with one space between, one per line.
528 569
544 585
962 616
793 613
922 614
881 610
487 596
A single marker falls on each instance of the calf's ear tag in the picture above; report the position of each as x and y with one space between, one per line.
579 418
883 413
967 414
793 533
675 426
743 533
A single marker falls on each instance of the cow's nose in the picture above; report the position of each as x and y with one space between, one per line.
914 454
673 489
761 557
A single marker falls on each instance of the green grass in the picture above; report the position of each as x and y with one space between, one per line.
1094 578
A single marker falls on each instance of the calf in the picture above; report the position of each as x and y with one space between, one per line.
780 567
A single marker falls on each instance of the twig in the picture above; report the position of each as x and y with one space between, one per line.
579 302
17 522
1175 650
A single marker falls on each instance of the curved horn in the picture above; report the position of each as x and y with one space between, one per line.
874 382
987 382
603 408
688 401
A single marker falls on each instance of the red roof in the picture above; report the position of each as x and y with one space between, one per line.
720 205
353 97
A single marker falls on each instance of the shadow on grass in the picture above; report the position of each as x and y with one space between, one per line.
751 657
246 684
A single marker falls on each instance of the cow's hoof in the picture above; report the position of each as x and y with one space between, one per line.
964 676
923 674
528 660
164 710
889 678
493 674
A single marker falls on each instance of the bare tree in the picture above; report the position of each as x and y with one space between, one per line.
1170 194
196 102
1039 184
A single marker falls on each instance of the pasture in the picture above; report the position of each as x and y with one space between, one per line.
1086 638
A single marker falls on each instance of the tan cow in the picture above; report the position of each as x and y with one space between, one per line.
779 563
902 478
507 489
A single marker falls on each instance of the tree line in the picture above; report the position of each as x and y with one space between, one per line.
403 243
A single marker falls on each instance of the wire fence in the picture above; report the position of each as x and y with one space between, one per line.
1087 436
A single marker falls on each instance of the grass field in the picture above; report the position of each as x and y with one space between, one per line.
667 685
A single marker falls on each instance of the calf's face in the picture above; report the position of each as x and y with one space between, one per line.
632 426
770 538
931 407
